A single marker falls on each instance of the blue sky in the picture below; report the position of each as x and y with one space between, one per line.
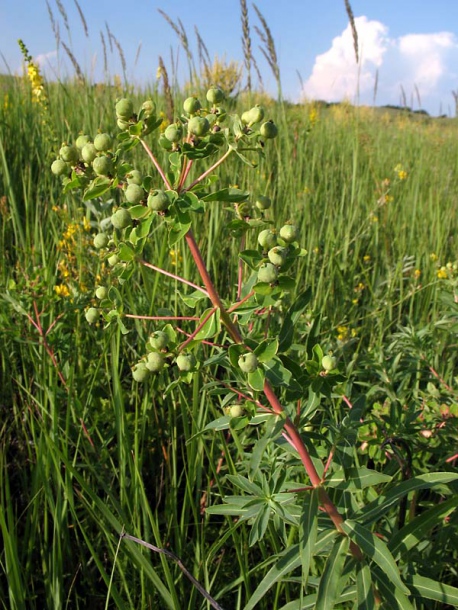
412 44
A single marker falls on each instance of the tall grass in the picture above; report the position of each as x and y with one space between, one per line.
85 452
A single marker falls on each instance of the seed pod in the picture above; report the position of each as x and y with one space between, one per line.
191 105
158 200
101 241
248 362
289 233
215 95
277 255
134 193
124 109
134 177
155 362
269 130
267 239
92 315
102 165
101 292
121 219
267 273
60 168
174 132
159 340
198 126
262 202
328 362
140 372
69 154
102 142
88 153
186 362
81 141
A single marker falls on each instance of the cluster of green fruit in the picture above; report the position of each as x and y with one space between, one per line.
159 357
85 156
277 249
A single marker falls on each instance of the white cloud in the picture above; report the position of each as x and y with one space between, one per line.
416 62
44 58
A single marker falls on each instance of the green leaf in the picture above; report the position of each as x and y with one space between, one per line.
259 527
356 478
266 350
331 582
177 232
97 187
377 550
211 327
381 505
230 195
415 531
222 423
125 252
251 257
245 485
293 314
256 380
139 211
423 587
395 598
364 589
286 283
308 532
192 299
279 376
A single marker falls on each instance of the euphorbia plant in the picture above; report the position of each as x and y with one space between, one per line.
251 338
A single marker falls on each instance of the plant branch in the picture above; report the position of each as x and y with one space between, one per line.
209 171
155 162
175 277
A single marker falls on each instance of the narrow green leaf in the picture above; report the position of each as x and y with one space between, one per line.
232 195
356 478
395 598
365 593
245 485
423 587
414 532
97 187
381 505
126 252
377 550
308 532
211 327
331 583
309 602
293 314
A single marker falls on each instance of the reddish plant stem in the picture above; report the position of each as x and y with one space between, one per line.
209 171
198 327
175 277
137 317
240 269
156 164
184 175
239 303
183 332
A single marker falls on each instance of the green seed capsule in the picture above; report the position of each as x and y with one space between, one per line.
174 132
121 219
88 153
81 141
101 240
191 105
198 126
69 154
248 362
155 362
269 130
124 109
267 273
102 142
92 315
140 372
289 233
186 362
101 292
60 168
102 165
215 95
134 193
158 201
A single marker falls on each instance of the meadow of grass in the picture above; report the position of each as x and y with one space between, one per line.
85 452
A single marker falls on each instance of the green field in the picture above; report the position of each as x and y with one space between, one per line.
86 452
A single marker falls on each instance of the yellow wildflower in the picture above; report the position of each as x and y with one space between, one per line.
61 290
417 273
433 257
175 257
442 273
367 258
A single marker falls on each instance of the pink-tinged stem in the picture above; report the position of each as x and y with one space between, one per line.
184 174
241 302
209 171
240 267
175 277
156 164
131 315
197 329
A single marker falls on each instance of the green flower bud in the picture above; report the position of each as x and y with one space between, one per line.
191 105
277 255
134 193
236 411
155 362
92 315
101 292
328 362
69 154
267 273
121 219
158 201
88 153
262 202
102 142
215 95
159 340
186 362
124 109
140 372
134 177
81 141
102 165
248 362
245 117
122 124
269 130
174 132
164 143
267 239
60 168
289 233
198 126
113 260
101 240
